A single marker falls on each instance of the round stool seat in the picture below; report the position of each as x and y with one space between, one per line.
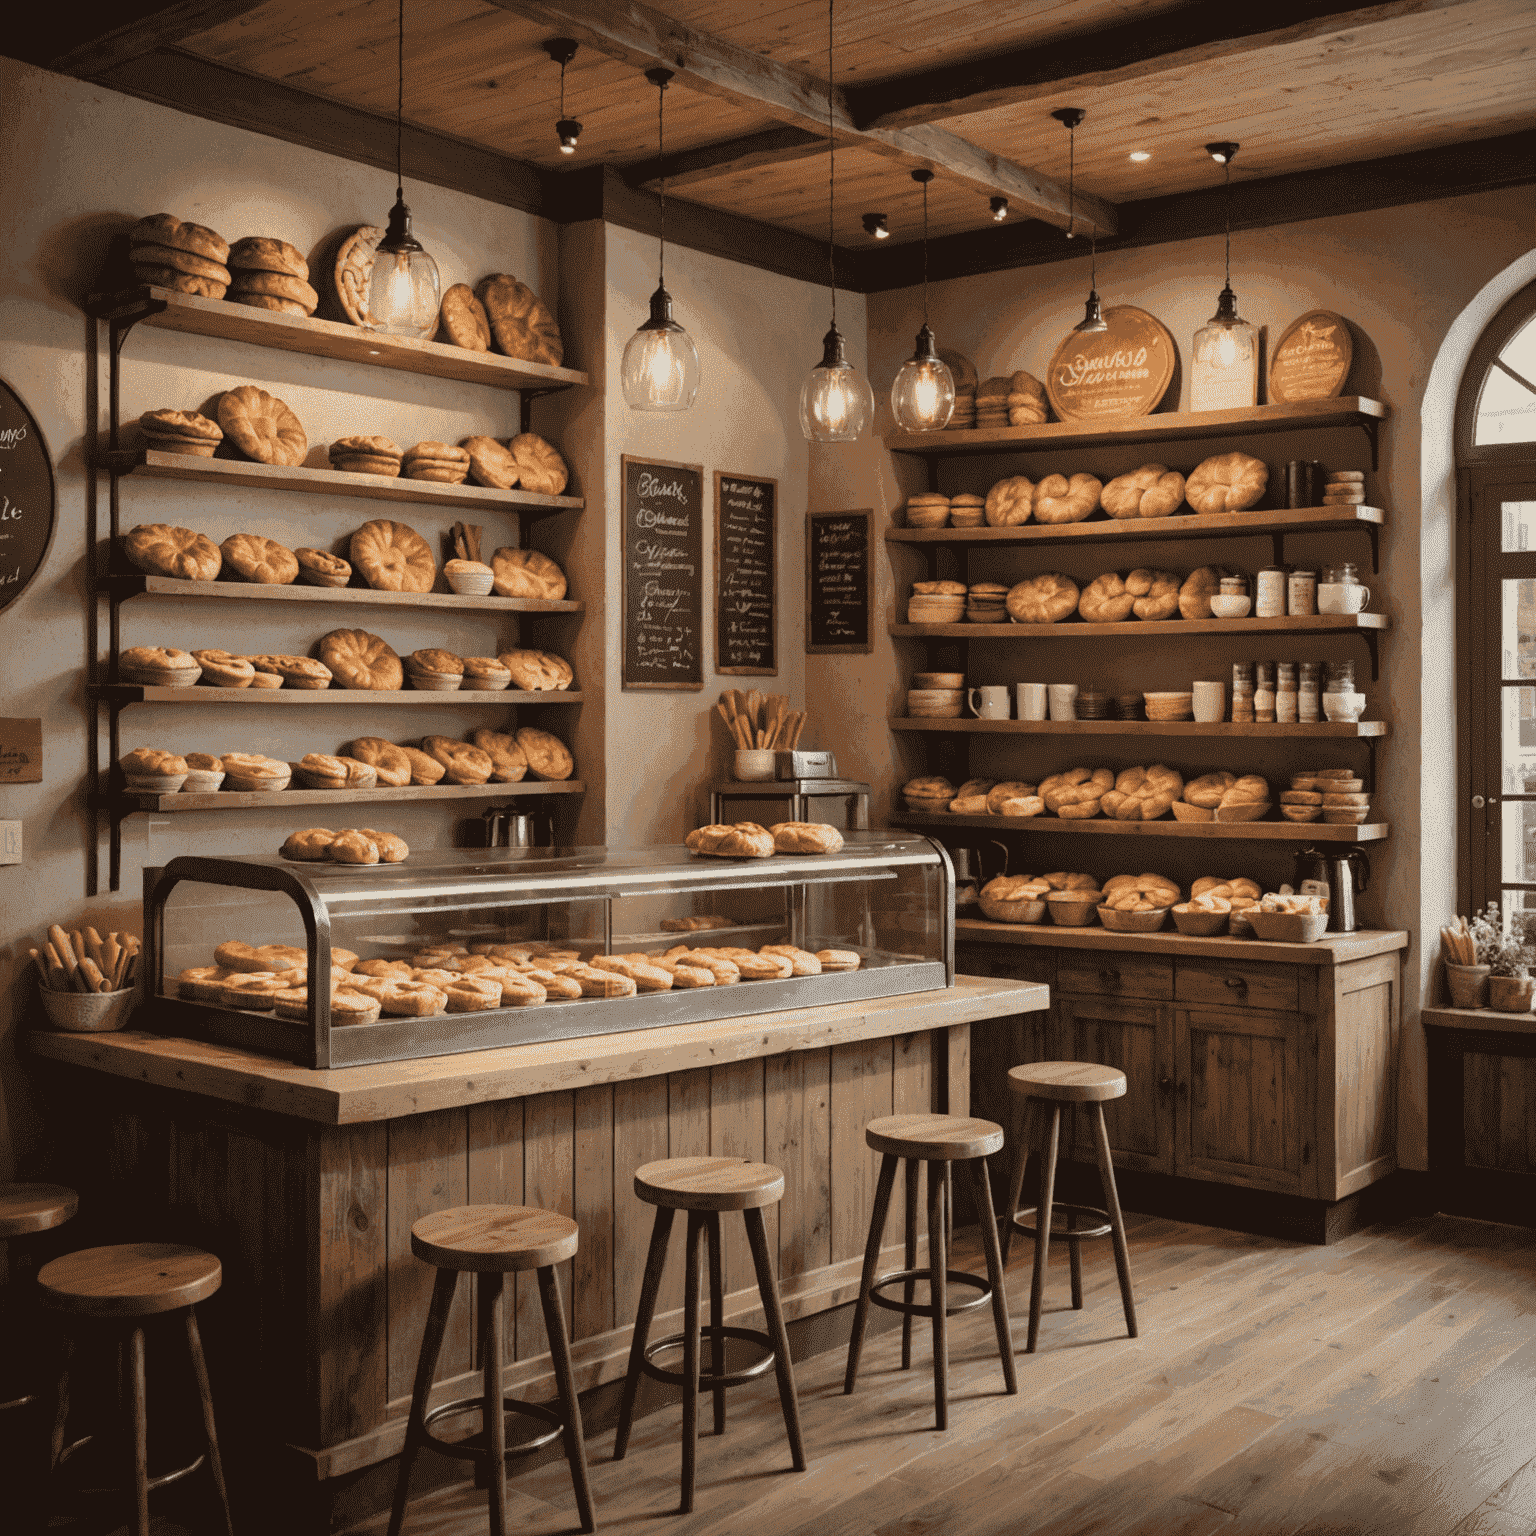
709 1183
494 1239
35 1207
1067 1082
934 1138
129 1280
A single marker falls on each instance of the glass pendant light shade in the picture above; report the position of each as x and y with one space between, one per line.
1224 372
660 371
836 402
405 292
923 391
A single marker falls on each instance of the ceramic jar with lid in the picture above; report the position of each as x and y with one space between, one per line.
1270 592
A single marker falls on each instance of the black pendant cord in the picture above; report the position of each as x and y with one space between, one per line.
1226 167
925 254
562 89
661 152
400 102
831 175
1072 181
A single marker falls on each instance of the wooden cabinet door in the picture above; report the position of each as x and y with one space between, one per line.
1245 1099
1138 1039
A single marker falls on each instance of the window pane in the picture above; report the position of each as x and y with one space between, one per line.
1520 914
1519 524
1519 738
1518 641
1518 856
1506 407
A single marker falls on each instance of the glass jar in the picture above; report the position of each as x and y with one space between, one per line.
1302 593
1264 693
1242 693
1270 592
1234 586
1341 677
1345 575
1286 698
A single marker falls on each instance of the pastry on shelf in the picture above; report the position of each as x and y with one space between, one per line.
261 426
317 568
1077 793
205 773
1199 588
540 467
391 765
1017 793
435 670
927 509
521 324
469 578
426 770
171 253
1155 593
393 557
743 840
1106 599
181 432
537 671
486 674
1010 502
548 757
279 291
1143 794
253 557
509 763
266 253
927 795
1227 482
253 771
1139 893
319 770
163 550
491 464
1154 490
1060 500
302 672
358 659
805 837
364 455
153 770
967 510
463 762
221 669
157 666
1047 598
464 321
442 463
527 573
354 271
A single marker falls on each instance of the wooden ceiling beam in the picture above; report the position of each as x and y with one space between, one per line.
774 146
1209 32
88 38
645 38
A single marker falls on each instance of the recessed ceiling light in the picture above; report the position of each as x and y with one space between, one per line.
1138 155
875 224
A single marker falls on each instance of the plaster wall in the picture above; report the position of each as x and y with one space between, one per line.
1402 276
80 165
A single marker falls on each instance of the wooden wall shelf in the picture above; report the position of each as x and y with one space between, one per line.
258 698
1323 728
1167 427
134 585
168 310
1110 530
1071 630
1228 831
330 482
281 799
1331 949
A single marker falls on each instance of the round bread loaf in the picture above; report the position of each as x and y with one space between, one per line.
390 764
1139 893
167 229
1227 482
1010 502
157 666
259 559
425 769
1155 593
1044 599
1198 590
1059 500
743 840
805 837
464 319
276 285
163 550
223 670
540 468
393 557
1009 789
521 325
261 426
1106 599
1075 795
263 253
1143 794
527 573
1207 790
463 762
491 464
191 425
537 671
1154 490
509 763
318 568
151 760
359 659
548 756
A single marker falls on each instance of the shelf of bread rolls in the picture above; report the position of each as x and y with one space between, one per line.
134 585
132 693
166 309
1240 831
1165 427
299 479
229 800
1291 624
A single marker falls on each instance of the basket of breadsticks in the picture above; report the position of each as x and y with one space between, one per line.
88 983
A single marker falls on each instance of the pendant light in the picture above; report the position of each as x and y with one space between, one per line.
1224 373
1093 315
923 391
562 50
836 402
404 292
660 371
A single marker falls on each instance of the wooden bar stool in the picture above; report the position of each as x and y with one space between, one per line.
24 1210
493 1241
130 1282
1047 1086
705 1186
940 1141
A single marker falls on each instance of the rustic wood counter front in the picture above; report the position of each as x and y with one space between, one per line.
306 1183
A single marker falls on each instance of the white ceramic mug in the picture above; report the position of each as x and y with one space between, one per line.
1342 597
1063 701
1031 700
994 702
1209 701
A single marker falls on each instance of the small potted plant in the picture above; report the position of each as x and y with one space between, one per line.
1468 950
1509 979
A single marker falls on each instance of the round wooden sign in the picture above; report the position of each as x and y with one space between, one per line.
27 498
1311 360
1103 376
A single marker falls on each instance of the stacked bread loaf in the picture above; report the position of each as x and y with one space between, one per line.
1332 795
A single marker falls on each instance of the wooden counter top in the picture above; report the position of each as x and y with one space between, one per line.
1489 1019
1331 949
349 1095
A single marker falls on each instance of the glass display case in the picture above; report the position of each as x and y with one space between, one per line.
887 900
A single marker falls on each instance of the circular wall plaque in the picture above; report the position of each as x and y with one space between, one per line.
1124 371
26 496
1311 360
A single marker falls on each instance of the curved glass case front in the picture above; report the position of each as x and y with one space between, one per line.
887 900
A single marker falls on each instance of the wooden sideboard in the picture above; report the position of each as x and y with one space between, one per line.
1265 1066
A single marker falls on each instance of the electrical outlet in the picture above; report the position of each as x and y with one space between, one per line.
10 842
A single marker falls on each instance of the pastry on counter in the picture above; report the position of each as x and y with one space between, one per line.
393 557
181 432
521 324
548 756
359 659
256 558
527 573
163 550
363 455
805 837
157 666
1227 482
1154 490
441 463
261 426
743 840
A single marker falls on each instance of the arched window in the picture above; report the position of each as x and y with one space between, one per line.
1496 613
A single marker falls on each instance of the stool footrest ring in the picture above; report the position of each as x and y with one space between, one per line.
707 1380
925 1308
1101 1227
97 1490
473 1448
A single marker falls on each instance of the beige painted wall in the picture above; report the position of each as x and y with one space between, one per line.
1402 276
80 165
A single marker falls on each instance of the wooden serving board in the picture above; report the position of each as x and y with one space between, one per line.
1311 360
1112 375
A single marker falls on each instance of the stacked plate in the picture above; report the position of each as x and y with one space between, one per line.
936 602
1128 706
1331 795
1165 706
1092 705
929 509
986 603
935 703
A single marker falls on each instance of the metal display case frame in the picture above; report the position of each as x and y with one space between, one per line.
500 878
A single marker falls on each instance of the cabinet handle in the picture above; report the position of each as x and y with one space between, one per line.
1237 983
1165 1084
1109 978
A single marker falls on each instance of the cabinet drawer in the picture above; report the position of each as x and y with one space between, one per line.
1239 983
1107 974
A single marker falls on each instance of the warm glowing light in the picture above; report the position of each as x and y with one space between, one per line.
1226 349
1138 155
999 209
660 369
923 391
875 224
835 402
404 291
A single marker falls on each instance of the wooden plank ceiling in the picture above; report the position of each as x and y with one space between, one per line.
1301 84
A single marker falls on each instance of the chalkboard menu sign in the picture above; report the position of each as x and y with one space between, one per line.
746 620
837 587
663 574
26 496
